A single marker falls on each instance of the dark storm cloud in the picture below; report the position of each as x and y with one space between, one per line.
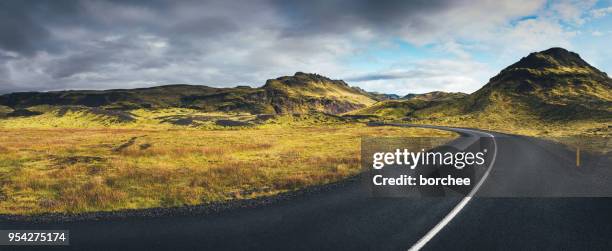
23 24
341 15
82 62
19 32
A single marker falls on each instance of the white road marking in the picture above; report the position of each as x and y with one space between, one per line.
449 217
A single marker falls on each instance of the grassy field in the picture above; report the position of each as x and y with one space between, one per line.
105 168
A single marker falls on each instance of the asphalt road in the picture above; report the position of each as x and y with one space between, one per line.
348 218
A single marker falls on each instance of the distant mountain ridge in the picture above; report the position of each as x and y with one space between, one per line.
435 96
300 93
554 86
401 107
384 96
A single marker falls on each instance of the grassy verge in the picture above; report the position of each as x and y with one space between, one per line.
105 169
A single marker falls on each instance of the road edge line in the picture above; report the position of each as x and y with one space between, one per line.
449 217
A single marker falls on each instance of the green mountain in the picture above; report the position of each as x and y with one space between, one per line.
554 84
554 87
304 92
300 93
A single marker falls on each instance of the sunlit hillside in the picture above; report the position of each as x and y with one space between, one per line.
549 92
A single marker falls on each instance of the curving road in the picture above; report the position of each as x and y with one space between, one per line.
347 218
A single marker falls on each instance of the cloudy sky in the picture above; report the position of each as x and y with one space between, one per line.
387 46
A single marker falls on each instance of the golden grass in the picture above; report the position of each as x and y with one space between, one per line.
89 169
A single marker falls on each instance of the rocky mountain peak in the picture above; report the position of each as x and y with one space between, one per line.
551 58
548 69
300 79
